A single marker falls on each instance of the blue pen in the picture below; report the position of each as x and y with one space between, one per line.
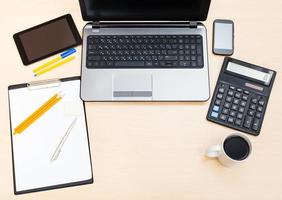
62 56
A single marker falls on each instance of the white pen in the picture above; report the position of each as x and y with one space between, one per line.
62 142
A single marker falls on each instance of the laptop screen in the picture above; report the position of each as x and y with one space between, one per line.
159 10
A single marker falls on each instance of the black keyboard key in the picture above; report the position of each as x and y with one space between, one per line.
185 64
170 57
129 64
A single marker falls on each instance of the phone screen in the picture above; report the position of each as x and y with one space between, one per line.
223 37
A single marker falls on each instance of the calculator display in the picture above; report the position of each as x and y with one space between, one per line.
261 76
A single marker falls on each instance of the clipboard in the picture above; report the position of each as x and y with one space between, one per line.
33 170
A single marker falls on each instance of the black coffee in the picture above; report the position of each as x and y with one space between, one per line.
236 147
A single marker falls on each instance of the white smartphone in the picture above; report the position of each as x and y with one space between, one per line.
223 37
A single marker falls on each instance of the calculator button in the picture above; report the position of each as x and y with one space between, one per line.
234 107
241 109
222 117
217 102
236 101
239 90
232 87
253 106
230 120
232 113
255 124
219 96
225 111
245 97
215 108
240 116
258 115
221 90
243 103
261 102
227 105
251 112
222 85
248 121
254 100
259 109
238 122
214 114
246 92
228 99
230 93
238 95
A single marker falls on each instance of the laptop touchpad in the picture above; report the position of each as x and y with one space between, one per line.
132 85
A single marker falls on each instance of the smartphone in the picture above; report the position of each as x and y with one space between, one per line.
223 37
47 39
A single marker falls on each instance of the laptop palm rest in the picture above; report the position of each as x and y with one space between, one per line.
133 86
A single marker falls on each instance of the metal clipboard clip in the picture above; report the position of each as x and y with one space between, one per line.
37 85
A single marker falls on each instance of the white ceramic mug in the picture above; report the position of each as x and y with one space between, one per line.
218 151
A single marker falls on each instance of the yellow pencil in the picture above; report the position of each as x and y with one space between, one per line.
54 66
37 114
46 64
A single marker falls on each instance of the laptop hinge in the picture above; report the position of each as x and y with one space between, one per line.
96 24
193 24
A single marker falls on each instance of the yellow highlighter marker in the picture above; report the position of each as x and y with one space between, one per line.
37 114
54 66
62 56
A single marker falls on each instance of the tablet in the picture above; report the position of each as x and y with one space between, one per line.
47 39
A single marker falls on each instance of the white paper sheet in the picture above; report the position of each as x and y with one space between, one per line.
33 148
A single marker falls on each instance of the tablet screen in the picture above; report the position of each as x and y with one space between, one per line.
46 39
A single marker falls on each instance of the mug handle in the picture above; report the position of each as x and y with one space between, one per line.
214 151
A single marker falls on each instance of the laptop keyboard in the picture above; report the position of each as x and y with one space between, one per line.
144 51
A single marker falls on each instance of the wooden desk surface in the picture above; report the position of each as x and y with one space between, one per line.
156 150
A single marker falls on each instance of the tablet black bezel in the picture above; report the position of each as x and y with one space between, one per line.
22 52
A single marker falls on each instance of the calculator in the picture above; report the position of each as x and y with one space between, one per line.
241 95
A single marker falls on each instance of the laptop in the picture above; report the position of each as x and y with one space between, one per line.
149 50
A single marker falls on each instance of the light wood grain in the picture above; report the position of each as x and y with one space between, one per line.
156 150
